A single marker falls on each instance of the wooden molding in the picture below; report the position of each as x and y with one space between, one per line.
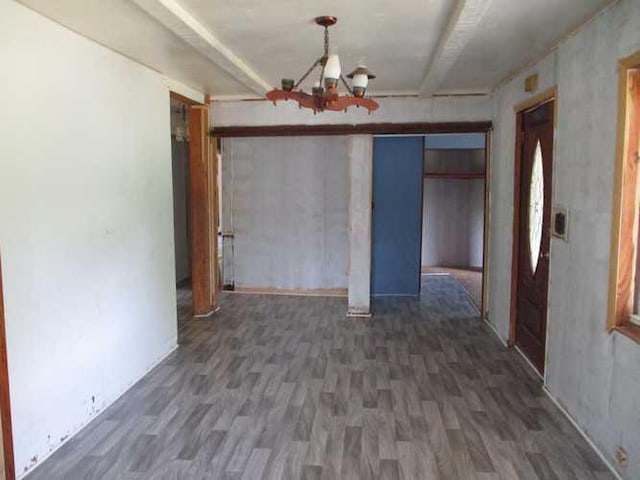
538 99
203 212
182 99
348 129
484 307
624 226
5 401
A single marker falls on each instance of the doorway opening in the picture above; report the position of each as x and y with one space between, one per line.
429 222
454 209
181 208
196 209
532 228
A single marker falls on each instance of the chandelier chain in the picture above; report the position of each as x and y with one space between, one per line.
326 41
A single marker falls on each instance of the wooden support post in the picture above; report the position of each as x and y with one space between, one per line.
203 208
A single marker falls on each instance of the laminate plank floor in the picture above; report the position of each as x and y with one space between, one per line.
283 387
471 280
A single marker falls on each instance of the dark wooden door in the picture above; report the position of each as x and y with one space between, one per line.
534 231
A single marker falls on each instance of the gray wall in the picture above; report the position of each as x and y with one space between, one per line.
593 374
290 211
180 169
453 211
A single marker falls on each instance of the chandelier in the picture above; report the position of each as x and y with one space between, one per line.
325 95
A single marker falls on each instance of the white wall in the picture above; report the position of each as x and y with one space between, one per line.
593 374
86 230
445 223
290 211
440 109
453 209
452 222
476 223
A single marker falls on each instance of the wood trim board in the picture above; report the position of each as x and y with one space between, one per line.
625 193
484 307
347 129
201 204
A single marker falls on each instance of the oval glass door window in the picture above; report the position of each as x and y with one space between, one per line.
536 204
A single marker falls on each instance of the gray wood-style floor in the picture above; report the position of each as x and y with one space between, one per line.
277 387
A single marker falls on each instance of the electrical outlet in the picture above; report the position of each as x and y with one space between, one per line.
621 457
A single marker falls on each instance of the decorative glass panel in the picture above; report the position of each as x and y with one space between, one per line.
536 204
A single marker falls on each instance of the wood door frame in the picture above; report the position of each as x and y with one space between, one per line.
410 128
551 94
484 299
5 401
203 217
486 176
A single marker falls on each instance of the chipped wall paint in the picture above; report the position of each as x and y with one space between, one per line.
593 375
85 227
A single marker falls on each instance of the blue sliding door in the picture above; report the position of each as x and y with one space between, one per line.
397 215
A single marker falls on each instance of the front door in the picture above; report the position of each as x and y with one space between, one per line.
397 215
534 232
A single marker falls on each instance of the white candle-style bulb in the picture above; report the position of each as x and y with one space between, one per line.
332 67
360 80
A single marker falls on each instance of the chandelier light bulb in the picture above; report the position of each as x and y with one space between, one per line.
360 80
332 67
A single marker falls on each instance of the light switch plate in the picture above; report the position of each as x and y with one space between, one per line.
560 222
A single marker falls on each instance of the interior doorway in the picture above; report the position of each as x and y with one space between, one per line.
532 232
181 207
7 470
429 215
453 223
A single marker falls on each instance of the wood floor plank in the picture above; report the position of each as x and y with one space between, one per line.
279 387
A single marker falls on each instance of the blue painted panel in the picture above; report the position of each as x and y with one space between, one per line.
455 141
397 215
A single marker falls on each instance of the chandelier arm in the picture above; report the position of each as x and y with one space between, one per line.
322 74
346 84
315 64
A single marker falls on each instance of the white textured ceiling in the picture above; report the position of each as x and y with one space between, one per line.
234 48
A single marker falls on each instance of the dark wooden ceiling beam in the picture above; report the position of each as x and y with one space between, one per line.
418 128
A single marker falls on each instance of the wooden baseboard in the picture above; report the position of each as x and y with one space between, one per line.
303 292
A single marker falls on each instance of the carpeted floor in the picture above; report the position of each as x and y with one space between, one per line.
471 280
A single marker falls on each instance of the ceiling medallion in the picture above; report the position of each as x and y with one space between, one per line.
327 97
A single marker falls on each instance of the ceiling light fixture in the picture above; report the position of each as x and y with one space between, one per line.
325 95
